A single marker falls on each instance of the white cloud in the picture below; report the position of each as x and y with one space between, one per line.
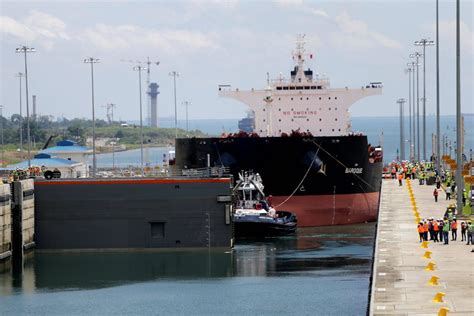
37 26
356 34
107 37
319 12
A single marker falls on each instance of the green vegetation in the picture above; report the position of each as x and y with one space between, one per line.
43 127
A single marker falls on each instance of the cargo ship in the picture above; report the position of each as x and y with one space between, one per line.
302 145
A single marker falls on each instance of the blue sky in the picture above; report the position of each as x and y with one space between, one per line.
223 42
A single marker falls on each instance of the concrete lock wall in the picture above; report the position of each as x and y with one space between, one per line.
132 213
5 221
28 211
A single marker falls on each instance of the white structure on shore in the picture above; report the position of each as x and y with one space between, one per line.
70 150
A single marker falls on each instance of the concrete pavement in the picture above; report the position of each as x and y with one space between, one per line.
401 278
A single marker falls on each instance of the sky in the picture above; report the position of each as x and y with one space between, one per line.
224 42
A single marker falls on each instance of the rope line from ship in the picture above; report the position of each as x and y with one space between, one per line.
302 180
342 164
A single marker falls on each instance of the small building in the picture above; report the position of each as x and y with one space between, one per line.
68 168
71 150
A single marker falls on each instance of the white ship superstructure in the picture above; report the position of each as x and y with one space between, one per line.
305 102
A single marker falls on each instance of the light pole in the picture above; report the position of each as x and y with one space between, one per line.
417 55
92 61
409 70
459 167
1 135
140 69
413 65
19 76
424 42
187 103
25 50
438 145
175 74
402 136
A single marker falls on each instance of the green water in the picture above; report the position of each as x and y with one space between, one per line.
320 271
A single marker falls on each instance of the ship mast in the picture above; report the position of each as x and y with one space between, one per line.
298 55
268 106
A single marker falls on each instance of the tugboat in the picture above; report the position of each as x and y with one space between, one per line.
254 215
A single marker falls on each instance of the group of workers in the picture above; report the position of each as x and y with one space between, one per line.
437 230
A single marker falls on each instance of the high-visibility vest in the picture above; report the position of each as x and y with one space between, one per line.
435 226
454 225
425 227
420 228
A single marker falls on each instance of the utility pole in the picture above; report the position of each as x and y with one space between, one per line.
438 145
402 136
186 103
19 76
424 42
417 55
409 70
1 135
175 74
25 49
459 166
92 61
140 69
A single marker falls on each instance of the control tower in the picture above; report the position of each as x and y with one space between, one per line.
153 93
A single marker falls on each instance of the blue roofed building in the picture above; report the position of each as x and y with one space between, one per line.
68 168
71 150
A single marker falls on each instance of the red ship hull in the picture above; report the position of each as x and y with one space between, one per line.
323 210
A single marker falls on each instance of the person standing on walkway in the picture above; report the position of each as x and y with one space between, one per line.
421 231
435 230
438 182
425 230
463 231
435 194
454 229
400 178
448 193
441 225
470 232
446 232
431 228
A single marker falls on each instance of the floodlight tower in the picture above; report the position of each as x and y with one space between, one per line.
92 61
402 136
417 56
19 76
25 50
140 69
424 42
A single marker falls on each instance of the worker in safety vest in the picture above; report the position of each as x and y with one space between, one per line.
400 178
421 231
435 230
435 194
454 229
440 225
463 231
470 232
425 229
446 232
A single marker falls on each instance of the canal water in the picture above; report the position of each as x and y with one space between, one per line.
319 271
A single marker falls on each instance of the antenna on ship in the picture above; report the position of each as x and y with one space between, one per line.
268 102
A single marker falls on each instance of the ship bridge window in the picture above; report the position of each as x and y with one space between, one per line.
292 88
320 87
307 87
285 88
313 87
299 88
279 88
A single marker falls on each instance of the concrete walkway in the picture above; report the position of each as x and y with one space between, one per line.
401 281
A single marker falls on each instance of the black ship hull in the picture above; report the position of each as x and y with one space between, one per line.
323 180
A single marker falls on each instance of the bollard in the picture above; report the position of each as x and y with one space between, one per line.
430 266
443 311
434 280
439 297
427 255
424 244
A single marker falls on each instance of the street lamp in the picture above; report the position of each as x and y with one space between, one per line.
459 166
186 103
140 69
413 65
402 142
424 42
438 132
25 50
19 76
175 74
409 71
92 61
417 56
